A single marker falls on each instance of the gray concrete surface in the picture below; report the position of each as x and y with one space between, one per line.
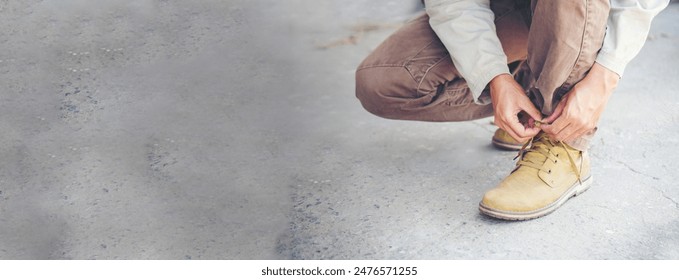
229 130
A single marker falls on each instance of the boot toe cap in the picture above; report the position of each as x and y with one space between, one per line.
504 201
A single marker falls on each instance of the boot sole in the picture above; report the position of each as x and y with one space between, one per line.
506 146
574 190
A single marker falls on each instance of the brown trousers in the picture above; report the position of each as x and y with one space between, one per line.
550 46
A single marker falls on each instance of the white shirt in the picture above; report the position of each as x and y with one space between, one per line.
464 23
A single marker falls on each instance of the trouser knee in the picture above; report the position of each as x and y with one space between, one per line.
383 91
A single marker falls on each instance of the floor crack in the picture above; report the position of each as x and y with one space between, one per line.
676 204
602 206
638 172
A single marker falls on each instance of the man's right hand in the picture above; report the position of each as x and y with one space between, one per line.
509 100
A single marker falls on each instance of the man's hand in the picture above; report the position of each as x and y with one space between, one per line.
509 100
580 109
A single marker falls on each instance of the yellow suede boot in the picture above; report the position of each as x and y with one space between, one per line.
502 140
547 174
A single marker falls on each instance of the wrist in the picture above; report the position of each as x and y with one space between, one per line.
609 78
500 81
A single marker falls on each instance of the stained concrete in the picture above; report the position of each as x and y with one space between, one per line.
229 130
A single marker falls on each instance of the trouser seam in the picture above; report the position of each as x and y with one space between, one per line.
426 72
583 45
378 66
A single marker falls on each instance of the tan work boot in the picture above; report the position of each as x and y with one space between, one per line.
502 140
547 174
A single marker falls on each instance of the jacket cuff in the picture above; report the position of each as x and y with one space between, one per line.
612 63
478 83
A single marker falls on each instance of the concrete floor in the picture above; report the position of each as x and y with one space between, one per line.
229 130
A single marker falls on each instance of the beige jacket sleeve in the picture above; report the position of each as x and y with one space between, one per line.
628 24
467 30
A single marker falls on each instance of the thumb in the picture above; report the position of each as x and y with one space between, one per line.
530 109
557 112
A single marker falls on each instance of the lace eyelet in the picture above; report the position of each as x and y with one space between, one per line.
549 171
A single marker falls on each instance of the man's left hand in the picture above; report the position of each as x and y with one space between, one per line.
580 109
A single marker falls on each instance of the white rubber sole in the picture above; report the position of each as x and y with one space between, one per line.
574 190
505 146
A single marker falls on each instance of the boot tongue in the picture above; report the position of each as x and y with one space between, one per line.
537 153
539 150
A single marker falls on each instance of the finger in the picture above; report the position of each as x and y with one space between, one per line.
554 129
557 125
531 131
530 109
557 112
524 133
512 129
515 128
549 129
531 122
502 124
568 131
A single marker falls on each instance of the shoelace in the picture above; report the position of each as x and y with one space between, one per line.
541 146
